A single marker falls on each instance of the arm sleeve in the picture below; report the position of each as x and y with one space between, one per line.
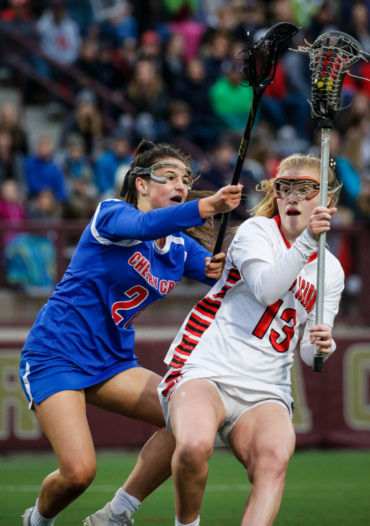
195 264
114 221
269 280
331 307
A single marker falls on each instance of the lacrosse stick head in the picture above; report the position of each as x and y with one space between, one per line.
260 61
331 56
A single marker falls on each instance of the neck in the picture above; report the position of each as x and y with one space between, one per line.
290 236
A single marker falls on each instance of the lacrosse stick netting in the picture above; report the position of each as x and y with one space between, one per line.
331 56
259 68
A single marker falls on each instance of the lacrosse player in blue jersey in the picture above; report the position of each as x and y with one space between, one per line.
81 347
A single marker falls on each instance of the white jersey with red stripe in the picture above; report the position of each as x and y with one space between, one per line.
244 332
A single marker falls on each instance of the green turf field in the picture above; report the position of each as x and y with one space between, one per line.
322 489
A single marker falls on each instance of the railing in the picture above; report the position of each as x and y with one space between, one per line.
352 241
17 51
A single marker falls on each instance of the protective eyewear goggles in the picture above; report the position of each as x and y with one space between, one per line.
303 189
169 175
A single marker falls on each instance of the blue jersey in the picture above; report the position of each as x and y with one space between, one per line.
116 271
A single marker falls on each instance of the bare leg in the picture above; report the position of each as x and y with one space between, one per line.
196 413
153 466
263 440
133 393
62 417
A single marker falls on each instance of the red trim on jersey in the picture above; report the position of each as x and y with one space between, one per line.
197 327
287 244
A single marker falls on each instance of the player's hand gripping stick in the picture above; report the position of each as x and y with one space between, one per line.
331 56
259 67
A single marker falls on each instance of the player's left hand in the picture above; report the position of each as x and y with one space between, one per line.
324 333
215 266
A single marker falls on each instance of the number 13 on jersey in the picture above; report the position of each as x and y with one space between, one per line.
264 324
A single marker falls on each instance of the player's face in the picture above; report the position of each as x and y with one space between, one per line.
295 212
174 191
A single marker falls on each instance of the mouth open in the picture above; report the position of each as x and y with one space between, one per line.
293 213
176 199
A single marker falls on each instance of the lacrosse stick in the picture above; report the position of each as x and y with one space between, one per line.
259 67
331 56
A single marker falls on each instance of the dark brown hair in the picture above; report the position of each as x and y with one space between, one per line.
147 154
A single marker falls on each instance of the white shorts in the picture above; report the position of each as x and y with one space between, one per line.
236 400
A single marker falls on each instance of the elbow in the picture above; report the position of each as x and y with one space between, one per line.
266 298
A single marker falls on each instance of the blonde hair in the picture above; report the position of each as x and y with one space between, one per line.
268 206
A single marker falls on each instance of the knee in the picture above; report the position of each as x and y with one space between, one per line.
271 464
191 454
79 476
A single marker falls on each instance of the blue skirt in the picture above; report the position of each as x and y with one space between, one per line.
44 374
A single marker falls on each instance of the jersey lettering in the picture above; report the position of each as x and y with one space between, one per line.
137 295
305 294
142 266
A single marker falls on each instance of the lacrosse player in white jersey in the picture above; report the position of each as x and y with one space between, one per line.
231 361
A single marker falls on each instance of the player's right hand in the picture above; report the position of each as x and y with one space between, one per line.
223 201
320 221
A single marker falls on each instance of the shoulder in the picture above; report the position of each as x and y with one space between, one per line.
258 225
114 205
333 267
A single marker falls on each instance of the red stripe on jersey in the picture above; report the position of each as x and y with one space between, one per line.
199 321
204 311
177 362
180 349
197 326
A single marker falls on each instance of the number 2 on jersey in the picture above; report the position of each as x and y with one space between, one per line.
266 320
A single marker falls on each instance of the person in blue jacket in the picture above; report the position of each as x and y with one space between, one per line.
81 347
42 173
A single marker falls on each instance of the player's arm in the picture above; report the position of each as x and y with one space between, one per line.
199 265
115 220
253 254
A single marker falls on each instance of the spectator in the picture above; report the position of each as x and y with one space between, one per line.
179 125
9 121
151 48
230 101
119 27
107 71
225 21
107 165
218 60
43 173
11 203
80 179
18 16
146 90
347 170
85 120
11 163
195 91
45 207
252 17
88 61
173 63
60 36
124 61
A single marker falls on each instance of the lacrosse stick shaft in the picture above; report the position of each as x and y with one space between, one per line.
318 359
238 168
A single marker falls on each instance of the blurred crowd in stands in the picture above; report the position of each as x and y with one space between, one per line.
173 66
